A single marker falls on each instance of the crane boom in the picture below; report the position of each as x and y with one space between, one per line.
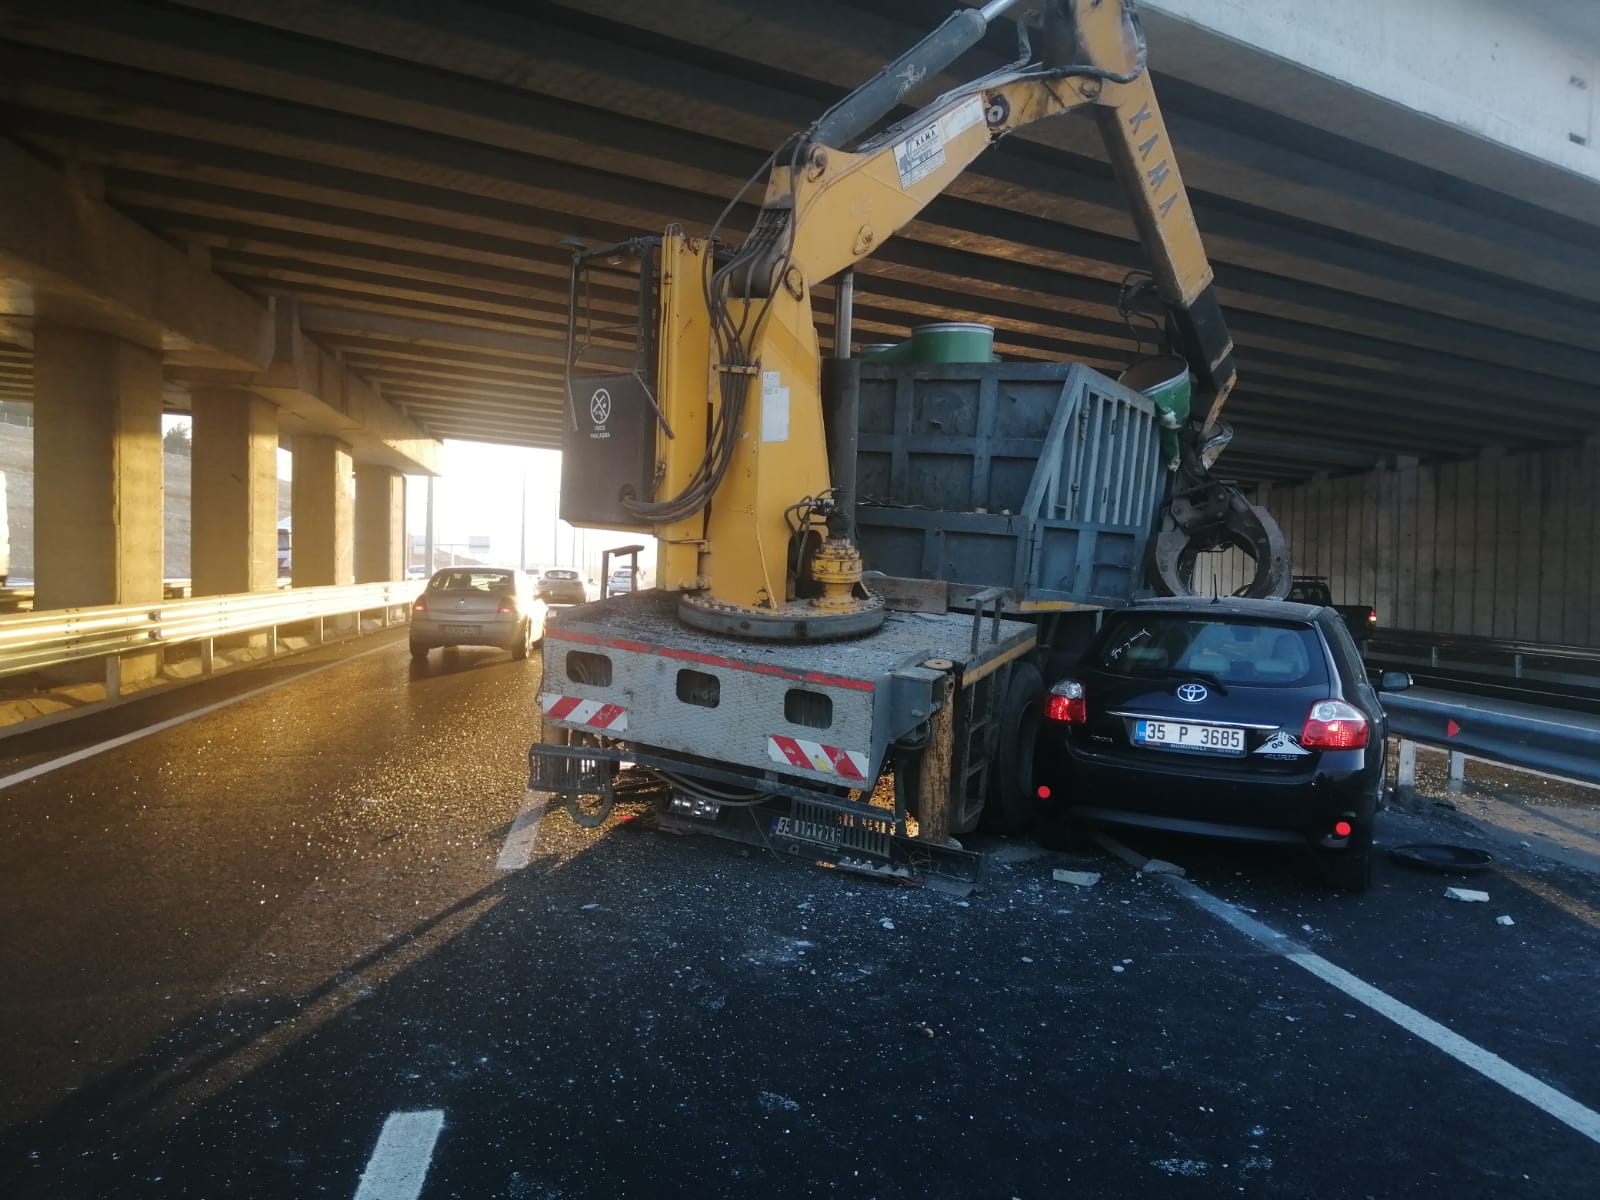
742 500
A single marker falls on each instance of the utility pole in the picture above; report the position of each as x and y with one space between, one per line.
522 535
427 537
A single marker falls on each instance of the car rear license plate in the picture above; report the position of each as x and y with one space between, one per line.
1185 735
461 629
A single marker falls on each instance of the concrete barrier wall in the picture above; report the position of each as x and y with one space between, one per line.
1497 546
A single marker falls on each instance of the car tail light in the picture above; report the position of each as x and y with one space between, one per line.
1044 792
1342 829
1334 725
505 606
1066 703
1372 617
421 605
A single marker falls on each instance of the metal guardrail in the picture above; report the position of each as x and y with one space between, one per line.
1529 736
39 640
1507 667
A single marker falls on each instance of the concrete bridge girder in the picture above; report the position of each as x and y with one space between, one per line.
108 310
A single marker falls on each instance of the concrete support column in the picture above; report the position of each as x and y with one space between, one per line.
234 539
97 471
322 500
380 524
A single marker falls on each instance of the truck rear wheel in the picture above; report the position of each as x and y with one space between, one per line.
1011 804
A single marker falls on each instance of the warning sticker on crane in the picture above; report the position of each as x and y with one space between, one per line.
920 154
923 152
774 408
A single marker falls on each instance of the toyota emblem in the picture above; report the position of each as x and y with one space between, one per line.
600 406
1192 693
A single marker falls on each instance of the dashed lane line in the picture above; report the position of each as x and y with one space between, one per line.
514 855
1469 1054
400 1160
66 760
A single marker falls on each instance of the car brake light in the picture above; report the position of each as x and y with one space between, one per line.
1044 792
505 606
1066 703
1334 725
1341 828
1372 617
421 605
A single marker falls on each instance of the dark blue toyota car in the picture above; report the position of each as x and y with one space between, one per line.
1246 719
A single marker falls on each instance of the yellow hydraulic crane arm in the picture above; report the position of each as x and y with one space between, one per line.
748 526
845 205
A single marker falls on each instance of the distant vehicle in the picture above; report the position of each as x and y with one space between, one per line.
1362 619
561 586
477 606
621 580
1244 719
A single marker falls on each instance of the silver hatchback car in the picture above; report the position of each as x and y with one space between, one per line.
477 606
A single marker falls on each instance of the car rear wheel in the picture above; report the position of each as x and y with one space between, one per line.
419 652
524 641
1011 804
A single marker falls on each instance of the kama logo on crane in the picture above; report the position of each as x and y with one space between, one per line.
600 412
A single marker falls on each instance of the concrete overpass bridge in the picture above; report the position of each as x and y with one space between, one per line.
338 224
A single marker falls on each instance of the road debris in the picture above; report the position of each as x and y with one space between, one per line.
1160 866
1503 920
888 924
1076 878
1469 895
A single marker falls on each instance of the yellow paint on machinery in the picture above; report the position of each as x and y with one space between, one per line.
685 394
836 208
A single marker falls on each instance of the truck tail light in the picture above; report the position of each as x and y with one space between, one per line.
1334 725
1065 703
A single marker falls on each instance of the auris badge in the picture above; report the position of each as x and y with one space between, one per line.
1192 693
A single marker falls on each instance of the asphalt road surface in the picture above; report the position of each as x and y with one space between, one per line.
289 948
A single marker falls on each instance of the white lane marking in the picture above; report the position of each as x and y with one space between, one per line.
514 855
1516 1081
399 1161
66 760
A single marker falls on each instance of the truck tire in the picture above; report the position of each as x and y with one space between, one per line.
1011 804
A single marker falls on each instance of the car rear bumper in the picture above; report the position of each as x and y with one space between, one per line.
1298 808
497 630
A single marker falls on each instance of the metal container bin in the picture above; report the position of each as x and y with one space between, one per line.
1041 478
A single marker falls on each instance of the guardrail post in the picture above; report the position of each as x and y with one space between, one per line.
272 642
1458 771
208 656
321 631
1405 781
113 676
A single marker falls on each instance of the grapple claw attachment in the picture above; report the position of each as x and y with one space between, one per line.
1208 514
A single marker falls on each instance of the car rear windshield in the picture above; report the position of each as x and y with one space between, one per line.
476 581
1226 650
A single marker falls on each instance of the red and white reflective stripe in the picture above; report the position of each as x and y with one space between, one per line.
814 756
595 714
